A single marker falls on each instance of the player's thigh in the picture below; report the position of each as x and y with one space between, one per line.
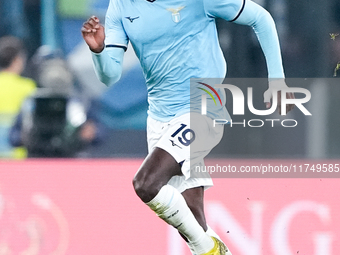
160 164
158 167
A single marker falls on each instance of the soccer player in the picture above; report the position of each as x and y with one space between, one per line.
176 41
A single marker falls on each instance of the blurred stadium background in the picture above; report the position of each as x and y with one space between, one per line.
87 205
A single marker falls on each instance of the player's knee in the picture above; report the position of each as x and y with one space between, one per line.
137 185
145 189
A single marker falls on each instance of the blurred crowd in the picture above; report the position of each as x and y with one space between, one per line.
51 104
41 116
41 113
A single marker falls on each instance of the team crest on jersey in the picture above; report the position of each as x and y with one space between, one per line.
176 16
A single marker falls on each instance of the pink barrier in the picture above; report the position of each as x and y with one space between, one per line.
85 207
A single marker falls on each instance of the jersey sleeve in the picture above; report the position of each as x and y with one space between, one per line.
115 35
225 9
261 21
246 12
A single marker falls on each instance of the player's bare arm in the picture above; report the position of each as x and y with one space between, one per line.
93 34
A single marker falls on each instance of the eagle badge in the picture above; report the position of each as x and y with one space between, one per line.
176 16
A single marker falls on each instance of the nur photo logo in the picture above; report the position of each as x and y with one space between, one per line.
238 102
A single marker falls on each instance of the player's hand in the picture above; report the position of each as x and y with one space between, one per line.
277 85
93 34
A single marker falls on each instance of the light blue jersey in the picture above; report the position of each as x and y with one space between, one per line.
176 40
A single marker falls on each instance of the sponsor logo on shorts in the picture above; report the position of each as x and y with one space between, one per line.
173 144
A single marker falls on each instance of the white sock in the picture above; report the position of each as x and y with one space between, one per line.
210 232
192 248
170 206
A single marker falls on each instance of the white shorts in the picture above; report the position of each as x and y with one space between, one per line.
188 144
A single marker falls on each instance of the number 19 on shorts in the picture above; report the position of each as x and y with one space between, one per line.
185 136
